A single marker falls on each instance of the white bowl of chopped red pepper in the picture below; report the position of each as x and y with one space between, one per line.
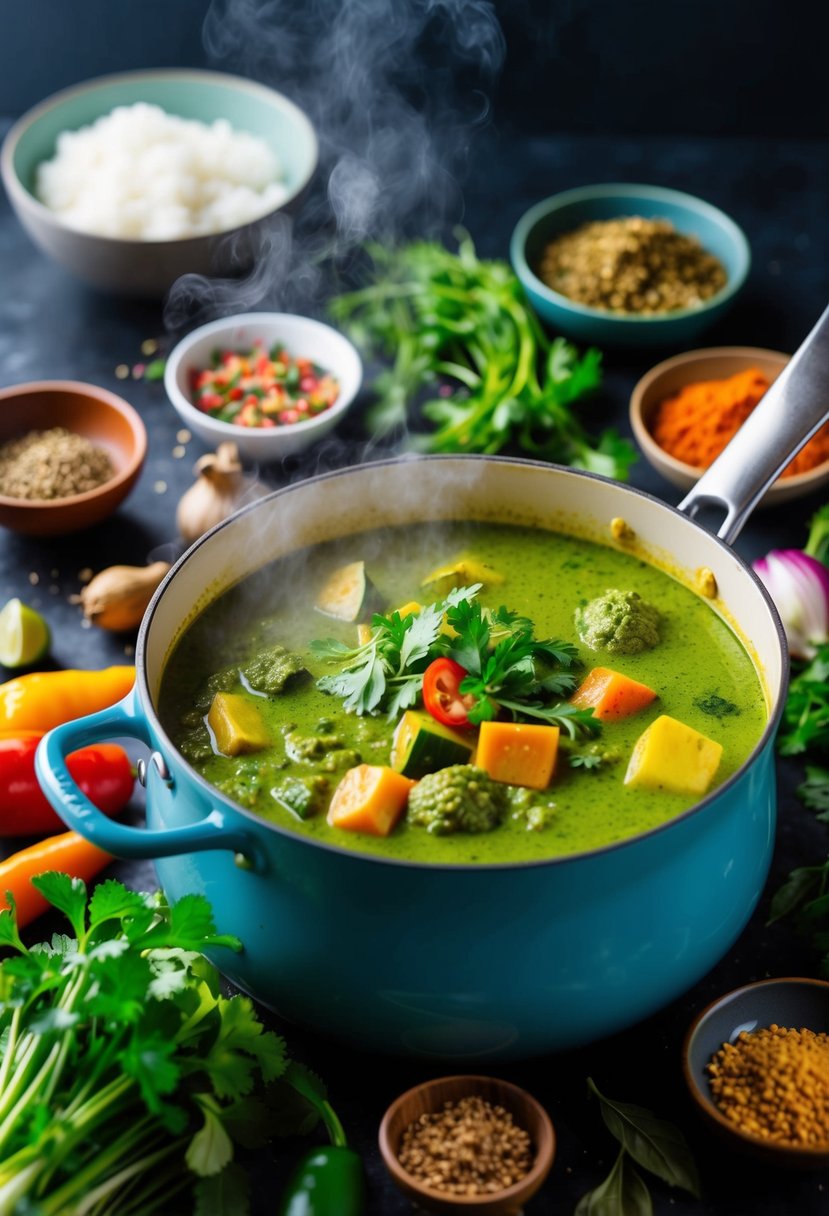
274 383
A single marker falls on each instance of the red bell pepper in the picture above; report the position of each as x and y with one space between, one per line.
103 772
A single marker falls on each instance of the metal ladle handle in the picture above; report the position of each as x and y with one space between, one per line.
794 407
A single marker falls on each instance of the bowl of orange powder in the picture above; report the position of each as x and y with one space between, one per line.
686 409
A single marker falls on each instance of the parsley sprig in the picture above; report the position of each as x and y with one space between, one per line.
126 1077
509 669
461 332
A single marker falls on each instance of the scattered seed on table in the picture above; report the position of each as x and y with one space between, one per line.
122 371
183 436
34 578
149 346
160 487
84 575
85 624
55 573
179 451
138 371
54 589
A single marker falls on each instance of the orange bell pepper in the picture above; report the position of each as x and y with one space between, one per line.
69 852
45 699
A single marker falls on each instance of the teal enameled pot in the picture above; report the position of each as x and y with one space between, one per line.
468 962
462 962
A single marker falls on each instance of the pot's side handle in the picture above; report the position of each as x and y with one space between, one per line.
77 812
795 406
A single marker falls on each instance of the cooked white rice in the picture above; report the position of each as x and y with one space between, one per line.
146 175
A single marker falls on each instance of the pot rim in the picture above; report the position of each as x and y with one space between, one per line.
142 684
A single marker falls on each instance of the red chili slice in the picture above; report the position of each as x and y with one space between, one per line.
441 693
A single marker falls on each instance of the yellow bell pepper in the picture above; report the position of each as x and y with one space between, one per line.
44 699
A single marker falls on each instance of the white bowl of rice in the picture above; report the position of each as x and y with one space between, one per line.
132 180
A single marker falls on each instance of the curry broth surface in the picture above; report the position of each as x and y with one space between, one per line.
546 577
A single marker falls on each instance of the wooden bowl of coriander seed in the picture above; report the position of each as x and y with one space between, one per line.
467 1144
69 455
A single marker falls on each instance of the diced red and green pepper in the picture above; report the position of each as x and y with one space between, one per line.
262 387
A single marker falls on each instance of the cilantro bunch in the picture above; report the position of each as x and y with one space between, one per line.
508 668
125 1076
460 330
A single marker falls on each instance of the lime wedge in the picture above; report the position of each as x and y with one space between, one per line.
24 635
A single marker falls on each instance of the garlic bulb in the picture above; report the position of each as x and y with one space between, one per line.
117 598
217 492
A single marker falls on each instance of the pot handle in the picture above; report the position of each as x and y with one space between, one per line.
794 407
77 812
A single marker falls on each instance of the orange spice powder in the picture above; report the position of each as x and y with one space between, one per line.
696 423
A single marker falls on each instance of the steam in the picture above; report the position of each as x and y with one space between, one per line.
396 90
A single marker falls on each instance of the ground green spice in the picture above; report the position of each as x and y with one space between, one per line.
631 265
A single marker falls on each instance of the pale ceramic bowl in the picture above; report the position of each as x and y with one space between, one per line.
301 336
692 216
715 363
149 268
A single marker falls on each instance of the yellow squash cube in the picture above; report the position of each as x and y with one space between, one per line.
236 724
673 757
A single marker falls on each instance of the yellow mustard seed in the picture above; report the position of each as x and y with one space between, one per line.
774 1083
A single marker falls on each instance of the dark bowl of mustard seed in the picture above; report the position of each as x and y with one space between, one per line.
756 1063
69 454
467 1144
629 265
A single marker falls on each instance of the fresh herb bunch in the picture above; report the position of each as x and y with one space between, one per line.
508 667
126 1078
459 325
652 1143
806 713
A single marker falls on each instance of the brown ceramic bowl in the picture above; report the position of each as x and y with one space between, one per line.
792 1001
715 363
429 1097
102 417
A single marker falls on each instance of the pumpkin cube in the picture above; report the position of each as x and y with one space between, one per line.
673 757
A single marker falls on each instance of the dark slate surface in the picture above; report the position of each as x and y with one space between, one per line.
51 326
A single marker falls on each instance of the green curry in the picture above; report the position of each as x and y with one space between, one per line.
252 650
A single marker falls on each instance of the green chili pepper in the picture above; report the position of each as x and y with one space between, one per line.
327 1182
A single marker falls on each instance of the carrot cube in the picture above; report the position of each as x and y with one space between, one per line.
611 695
370 798
518 753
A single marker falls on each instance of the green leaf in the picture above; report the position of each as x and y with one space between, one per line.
653 1143
798 888
150 1061
111 900
8 926
66 894
224 1194
814 792
155 370
211 1149
623 1193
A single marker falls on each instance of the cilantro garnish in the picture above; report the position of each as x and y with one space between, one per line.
509 670
126 1078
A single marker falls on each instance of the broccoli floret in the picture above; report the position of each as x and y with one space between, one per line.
460 798
620 622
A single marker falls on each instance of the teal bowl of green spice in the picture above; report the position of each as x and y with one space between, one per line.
629 265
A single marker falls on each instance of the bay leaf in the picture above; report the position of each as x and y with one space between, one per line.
623 1193
654 1143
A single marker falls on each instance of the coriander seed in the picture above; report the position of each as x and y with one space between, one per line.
468 1147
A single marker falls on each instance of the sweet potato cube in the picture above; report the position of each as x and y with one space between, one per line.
518 753
674 757
370 798
236 724
611 695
